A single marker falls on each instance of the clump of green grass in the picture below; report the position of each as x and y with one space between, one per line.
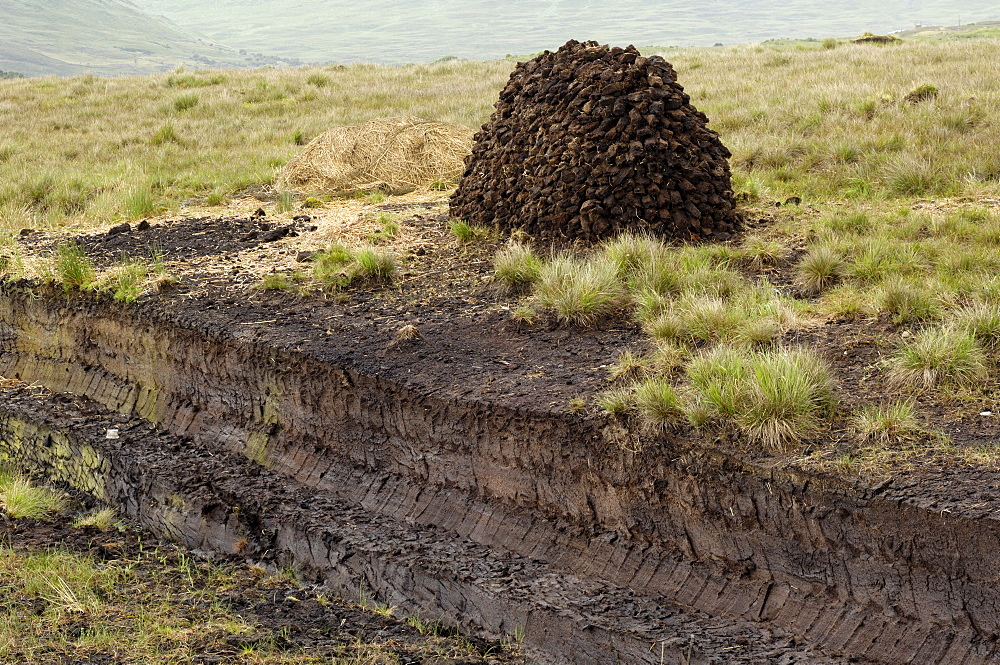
915 175
819 269
104 519
943 355
758 332
658 403
165 134
525 314
906 300
774 397
20 498
73 270
886 423
632 254
719 379
319 79
186 101
791 392
330 266
139 202
337 267
286 200
375 197
126 280
517 266
389 229
628 365
275 281
617 401
981 320
466 232
580 292
758 252
375 266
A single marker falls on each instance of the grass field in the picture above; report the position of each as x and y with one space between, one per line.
91 150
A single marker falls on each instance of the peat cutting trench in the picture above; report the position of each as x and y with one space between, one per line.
443 473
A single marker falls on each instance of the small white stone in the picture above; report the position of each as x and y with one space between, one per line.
986 413
112 434
905 333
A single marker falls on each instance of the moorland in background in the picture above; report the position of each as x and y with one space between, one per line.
826 121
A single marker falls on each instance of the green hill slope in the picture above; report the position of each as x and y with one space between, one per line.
389 31
103 37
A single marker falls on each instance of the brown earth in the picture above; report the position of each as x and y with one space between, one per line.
468 442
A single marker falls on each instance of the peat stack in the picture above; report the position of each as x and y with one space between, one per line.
591 141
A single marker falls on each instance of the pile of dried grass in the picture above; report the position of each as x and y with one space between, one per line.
392 153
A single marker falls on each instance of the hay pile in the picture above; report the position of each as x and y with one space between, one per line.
394 154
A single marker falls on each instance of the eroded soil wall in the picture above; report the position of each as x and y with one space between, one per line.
866 571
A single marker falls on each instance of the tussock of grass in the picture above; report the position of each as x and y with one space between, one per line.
126 280
719 378
580 292
628 365
819 269
517 266
658 403
375 266
186 101
886 423
758 252
73 270
907 301
20 498
274 282
632 254
389 228
104 519
337 267
981 320
944 355
526 314
774 397
466 232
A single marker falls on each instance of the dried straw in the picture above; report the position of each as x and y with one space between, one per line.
394 153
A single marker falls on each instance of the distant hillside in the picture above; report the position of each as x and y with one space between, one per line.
423 30
103 37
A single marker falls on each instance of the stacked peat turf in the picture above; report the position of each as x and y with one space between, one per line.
591 141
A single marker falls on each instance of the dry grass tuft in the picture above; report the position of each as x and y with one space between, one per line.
938 356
